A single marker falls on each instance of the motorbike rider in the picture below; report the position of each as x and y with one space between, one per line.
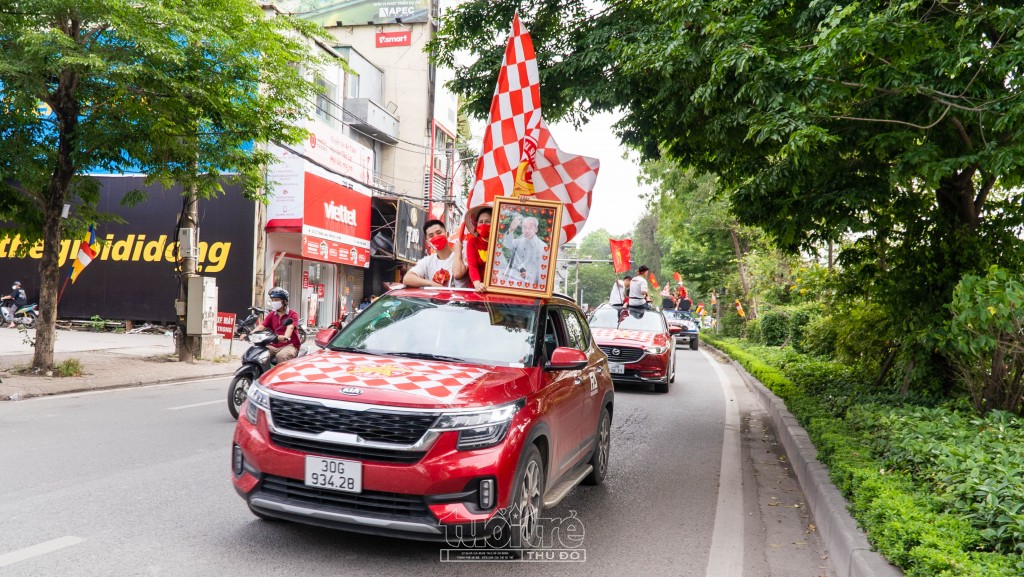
12 302
286 347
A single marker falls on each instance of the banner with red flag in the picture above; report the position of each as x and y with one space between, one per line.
654 281
620 253
519 156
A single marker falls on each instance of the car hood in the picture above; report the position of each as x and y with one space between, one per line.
397 381
629 338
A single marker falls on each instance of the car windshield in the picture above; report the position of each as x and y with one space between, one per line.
627 318
439 329
678 316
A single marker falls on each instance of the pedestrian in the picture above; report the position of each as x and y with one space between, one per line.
9 304
477 249
286 346
638 295
443 268
365 303
620 291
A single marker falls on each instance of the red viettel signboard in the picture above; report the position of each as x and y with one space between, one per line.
336 223
389 39
226 325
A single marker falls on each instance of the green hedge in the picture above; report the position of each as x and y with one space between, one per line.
916 480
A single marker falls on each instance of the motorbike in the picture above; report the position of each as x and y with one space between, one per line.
255 361
27 315
245 326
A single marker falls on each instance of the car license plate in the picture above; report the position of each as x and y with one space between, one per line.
616 369
334 474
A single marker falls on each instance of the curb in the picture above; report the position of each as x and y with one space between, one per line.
847 544
21 397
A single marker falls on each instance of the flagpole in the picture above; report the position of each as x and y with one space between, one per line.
62 288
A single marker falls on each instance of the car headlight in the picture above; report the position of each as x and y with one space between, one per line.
655 350
480 429
259 398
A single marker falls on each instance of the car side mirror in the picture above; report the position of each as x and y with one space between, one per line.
566 359
324 337
675 329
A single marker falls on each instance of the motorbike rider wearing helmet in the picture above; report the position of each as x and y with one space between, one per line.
12 302
286 347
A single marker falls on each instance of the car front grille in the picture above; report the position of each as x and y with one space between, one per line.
626 354
312 418
359 453
367 503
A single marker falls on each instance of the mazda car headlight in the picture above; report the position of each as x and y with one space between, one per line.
480 429
259 398
655 350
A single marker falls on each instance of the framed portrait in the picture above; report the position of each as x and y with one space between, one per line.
524 246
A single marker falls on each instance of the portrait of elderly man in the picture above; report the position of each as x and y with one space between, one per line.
524 252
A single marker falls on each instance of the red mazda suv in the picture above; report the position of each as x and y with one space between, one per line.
435 413
639 345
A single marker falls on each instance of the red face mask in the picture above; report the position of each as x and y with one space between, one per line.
484 230
439 242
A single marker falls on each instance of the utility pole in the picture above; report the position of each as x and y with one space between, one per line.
188 249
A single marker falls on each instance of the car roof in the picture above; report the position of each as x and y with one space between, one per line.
471 295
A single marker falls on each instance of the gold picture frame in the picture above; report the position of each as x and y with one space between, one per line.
523 246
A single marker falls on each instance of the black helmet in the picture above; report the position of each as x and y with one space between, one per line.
278 293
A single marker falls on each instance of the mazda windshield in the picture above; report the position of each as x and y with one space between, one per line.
476 332
628 318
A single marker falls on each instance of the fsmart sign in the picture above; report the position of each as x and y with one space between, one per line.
389 39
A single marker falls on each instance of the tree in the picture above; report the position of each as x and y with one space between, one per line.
900 123
177 90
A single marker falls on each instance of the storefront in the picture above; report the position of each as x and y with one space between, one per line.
318 235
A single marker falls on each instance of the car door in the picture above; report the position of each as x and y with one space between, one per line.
559 396
584 383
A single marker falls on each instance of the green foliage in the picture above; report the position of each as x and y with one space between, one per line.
754 332
986 339
774 327
819 337
69 368
938 492
862 335
799 318
731 324
97 323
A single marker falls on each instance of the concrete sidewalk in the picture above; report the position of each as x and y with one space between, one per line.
109 360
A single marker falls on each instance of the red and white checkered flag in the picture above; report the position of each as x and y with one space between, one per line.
509 164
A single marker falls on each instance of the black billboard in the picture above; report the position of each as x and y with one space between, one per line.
133 276
409 231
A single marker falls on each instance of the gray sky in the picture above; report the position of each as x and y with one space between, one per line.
617 202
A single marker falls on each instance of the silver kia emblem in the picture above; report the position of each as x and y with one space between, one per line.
352 391
616 352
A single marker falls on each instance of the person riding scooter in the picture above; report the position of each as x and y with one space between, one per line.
13 302
286 347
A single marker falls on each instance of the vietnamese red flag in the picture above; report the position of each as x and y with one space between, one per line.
620 253
654 281
678 277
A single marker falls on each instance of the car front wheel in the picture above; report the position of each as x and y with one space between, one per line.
599 461
528 502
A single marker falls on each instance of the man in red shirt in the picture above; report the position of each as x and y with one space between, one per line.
286 347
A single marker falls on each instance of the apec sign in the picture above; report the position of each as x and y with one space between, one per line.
389 39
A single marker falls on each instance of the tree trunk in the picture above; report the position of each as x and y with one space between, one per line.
67 110
745 284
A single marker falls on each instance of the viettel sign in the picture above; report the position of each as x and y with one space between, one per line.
389 39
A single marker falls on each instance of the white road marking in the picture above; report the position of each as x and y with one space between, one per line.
726 558
207 403
37 550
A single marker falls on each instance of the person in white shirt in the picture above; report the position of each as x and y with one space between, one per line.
444 268
524 263
620 291
638 296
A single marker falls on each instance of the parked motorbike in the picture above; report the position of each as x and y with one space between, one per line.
27 315
245 326
255 361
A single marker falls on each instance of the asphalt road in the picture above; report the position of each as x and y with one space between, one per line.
136 482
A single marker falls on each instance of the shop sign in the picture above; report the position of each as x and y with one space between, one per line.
336 224
226 325
409 221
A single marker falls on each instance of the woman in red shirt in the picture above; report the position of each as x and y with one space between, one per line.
476 249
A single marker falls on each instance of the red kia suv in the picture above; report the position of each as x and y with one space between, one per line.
639 345
435 413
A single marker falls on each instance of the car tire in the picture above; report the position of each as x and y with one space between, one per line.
599 460
527 502
662 386
694 343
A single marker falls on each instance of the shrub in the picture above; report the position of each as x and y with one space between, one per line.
862 335
774 327
799 318
731 324
819 337
754 331
69 368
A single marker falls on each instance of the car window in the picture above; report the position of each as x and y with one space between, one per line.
628 318
554 334
472 332
575 330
